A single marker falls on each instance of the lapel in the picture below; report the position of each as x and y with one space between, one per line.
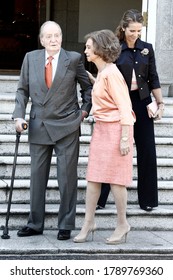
61 70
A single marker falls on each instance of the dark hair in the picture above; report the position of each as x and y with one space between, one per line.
106 44
128 17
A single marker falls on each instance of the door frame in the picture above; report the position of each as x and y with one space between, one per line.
149 30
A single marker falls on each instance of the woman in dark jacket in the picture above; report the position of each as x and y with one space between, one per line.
137 64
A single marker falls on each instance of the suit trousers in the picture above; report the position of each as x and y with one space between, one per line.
105 190
146 152
66 152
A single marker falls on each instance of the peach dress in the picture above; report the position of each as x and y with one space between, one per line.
111 109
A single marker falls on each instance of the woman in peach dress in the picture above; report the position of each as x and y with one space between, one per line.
111 148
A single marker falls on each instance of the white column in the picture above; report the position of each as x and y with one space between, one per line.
149 31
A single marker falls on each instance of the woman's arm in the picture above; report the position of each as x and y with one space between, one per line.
157 93
125 141
91 77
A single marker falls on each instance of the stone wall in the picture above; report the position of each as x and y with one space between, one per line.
66 13
164 45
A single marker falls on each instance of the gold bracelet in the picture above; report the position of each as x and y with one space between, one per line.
125 138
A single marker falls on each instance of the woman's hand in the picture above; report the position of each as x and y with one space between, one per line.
124 146
125 140
158 115
91 77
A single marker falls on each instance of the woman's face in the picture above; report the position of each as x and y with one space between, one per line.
89 51
132 33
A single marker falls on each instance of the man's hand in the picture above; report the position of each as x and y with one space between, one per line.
84 115
19 122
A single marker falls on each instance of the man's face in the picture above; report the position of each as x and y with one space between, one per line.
51 38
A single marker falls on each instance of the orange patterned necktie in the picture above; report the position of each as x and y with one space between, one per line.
48 72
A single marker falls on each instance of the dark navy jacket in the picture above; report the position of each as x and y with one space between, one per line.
143 64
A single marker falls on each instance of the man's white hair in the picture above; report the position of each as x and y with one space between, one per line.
46 23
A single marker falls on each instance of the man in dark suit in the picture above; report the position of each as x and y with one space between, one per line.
54 125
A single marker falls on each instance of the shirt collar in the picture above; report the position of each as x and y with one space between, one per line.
56 56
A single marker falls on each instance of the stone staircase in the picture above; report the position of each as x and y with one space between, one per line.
159 219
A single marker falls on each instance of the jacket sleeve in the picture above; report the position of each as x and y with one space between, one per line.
119 91
22 93
152 71
85 85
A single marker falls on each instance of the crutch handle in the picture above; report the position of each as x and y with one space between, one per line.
24 126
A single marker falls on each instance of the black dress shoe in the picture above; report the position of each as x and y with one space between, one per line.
147 208
63 234
26 231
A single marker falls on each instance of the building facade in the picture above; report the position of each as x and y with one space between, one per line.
20 21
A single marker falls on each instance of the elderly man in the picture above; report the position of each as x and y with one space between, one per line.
49 78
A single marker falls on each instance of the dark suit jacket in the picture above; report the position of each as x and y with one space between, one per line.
144 66
55 112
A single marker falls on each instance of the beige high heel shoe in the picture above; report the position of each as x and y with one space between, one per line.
91 230
121 239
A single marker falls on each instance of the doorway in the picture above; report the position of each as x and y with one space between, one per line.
18 31
102 14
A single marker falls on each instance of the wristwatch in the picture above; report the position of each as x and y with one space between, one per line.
161 105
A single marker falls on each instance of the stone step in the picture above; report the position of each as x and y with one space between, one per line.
7 101
21 192
7 125
161 217
163 128
164 146
8 83
165 166
148 248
